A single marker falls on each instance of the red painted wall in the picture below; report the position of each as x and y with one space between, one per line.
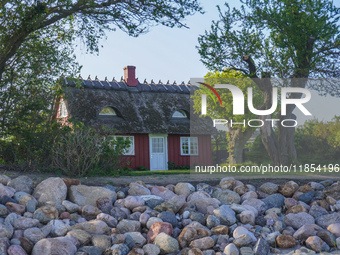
142 151
142 156
204 156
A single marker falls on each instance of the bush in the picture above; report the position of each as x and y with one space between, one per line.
318 142
84 151
31 148
173 166
142 168
76 153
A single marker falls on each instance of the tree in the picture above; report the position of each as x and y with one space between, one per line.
37 40
319 142
292 39
238 134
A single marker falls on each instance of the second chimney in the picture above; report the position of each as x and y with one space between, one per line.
130 76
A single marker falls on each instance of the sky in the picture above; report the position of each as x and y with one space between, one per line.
170 54
163 53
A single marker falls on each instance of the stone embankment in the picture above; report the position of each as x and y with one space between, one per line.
61 216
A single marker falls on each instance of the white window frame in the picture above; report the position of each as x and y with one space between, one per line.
62 110
130 151
189 145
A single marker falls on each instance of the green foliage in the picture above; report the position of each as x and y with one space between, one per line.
37 40
173 166
257 152
84 151
142 168
215 110
165 172
318 142
219 142
30 146
237 135
288 38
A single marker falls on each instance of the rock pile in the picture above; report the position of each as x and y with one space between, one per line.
61 216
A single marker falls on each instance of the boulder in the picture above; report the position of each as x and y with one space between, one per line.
269 188
22 183
166 243
325 220
225 215
227 183
306 231
52 189
59 245
94 227
184 189
285 241
333 191
88 195
316 244
157 228
298 220
136 189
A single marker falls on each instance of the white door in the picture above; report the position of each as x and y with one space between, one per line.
158 152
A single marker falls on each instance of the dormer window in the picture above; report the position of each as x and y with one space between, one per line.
107 111
180 114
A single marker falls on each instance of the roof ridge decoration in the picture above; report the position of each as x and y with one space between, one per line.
96 83
96 79
107 81
90 80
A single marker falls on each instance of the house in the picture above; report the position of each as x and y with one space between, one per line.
154 117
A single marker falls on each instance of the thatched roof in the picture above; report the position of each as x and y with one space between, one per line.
145 108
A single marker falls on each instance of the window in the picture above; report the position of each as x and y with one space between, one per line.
179 114
107 111
62 110
131 149
157 145
189 146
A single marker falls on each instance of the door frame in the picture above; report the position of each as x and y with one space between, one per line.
165 136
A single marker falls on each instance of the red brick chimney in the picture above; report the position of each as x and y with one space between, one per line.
130 76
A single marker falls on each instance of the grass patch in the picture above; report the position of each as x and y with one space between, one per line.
165 172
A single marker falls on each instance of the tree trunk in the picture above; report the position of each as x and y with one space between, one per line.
237 141
270 140
280 147
268 136
286 141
